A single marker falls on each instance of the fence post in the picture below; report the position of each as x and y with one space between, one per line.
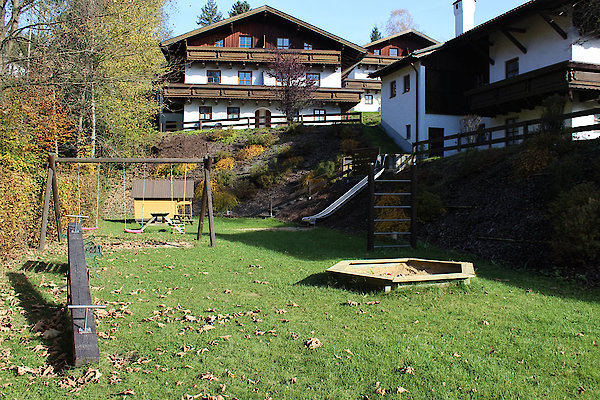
413 200
309 191
458 142
271 205
371 210
525 131
490 139
362 120
52 165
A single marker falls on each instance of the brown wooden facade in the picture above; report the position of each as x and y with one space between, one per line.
254 92
260 56
404 42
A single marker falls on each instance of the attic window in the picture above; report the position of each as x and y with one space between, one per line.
394 52
308 46
377 52
219 43
283 43
246 42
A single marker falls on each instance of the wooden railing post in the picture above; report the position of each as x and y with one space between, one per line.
371 210
413 200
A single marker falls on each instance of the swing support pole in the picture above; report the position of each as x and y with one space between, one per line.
207 202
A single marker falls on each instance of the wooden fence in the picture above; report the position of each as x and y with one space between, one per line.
509 134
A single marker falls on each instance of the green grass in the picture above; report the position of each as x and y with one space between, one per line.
541 341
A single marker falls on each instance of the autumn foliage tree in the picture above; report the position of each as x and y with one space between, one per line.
399 21
294 90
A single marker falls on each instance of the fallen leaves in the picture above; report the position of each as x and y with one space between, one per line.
313 343
90 376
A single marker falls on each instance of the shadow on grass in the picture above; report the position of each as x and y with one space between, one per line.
322 279
39 312
43 266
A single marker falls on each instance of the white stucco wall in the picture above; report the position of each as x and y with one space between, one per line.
587 51
544 46
248 110
196 74
362 72
364 107
399 111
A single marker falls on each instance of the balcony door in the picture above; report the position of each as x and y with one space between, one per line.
263 118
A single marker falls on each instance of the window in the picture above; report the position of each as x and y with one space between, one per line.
408 132
406 83
246 42
213 76
205 113
314 77
233 113
392 89
512 68
394 52
377 52
283 43
278 82
511 132
368 99
245 77
219 43
319 114
308 46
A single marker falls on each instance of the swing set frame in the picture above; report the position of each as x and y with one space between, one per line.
52 189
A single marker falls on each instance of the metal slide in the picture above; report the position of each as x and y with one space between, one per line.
346 197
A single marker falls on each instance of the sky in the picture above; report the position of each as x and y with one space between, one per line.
352 20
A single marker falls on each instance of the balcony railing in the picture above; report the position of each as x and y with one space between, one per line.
525 90
364 84
238 55
372 59
252 92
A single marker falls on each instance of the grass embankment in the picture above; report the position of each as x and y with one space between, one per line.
507 335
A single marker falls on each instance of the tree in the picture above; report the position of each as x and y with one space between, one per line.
210 14
294 92
586 18
375 34
239 7
399 21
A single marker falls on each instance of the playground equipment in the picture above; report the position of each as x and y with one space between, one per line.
393 272
52 190
79 302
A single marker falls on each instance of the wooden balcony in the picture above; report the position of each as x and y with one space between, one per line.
259 56
363 84
380 61
239 92
528 90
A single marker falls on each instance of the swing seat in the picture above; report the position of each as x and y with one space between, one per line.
133 230
93 228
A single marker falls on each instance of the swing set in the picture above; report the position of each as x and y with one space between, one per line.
52 191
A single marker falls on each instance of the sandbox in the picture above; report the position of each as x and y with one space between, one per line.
392 272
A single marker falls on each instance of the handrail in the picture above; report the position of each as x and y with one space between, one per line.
491 141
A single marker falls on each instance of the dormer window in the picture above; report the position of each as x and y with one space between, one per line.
283 43
246 42
219 43
308 46
377 52
394 52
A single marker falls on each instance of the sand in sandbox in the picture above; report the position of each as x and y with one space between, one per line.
396 269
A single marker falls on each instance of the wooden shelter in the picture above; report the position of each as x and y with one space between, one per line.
162 196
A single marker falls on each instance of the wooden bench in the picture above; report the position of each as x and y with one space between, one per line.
85 339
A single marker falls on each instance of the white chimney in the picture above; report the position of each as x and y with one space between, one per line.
464 15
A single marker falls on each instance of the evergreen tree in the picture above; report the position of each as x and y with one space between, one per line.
210 14
239 7
375 34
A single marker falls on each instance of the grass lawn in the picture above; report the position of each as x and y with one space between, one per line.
233 321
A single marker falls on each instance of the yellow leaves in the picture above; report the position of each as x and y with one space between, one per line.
313 343
249 152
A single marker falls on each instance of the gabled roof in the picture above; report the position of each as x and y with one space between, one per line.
403 33
259 10
412 57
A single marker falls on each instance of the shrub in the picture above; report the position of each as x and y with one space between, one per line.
225 164
265 139
290 163
18 207
244 189
226 136
262 176
221 154
430 206
532 160
349 145
575 219
224 178
249 152
392 213
224 200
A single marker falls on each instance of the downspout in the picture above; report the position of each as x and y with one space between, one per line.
413 179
